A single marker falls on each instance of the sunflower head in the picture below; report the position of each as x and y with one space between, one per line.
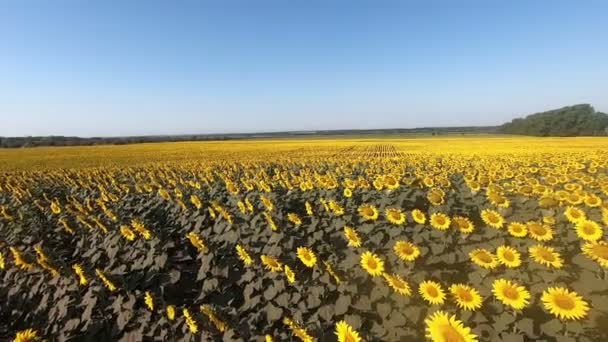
368 212
597 251
564 304
445 328
431 292
492 218
352 237
418 216
588 230
483 258
291 276
394 216
372 264
398 284
508 256
546 255
346 333
406 251
271 263
517 229
510 293
463 224
466 297
539 231
440 221
307 256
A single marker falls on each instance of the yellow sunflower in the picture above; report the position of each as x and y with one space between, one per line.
517 229
346 333
431 292
372 263
398 284
564 304
463 224
294 218
244 255
348 193
483 258
511 294
593 201
441 327
545 255
418 216
291 276
368 212
539 231
271 263
352 237
307 256
26 335
440 221
597 251
574 214
508 256
588 230
492 218
406 251
466 297
394 216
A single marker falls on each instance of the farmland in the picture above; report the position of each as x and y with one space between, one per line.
434 238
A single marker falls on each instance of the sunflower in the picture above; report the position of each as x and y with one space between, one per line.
435 197
406 251
127 233
352 237
346 333
463 224
588 230
336 208
418 216
545 255
170 312
517 229
510 293
539 231
307 256
348 193
597 251
483 258
398 284
466 297
291 276
294 218
149 300
271 263
441 327
391 182
309 210
368 212
394 216
508 256
243 255
492 218
431 292
564 304
372 263
440 221
26 335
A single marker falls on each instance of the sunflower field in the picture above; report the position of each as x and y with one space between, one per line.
440 239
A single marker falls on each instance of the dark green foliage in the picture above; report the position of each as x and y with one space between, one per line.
577 120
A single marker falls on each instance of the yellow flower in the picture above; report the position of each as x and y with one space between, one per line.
307 256
440 221
539 232
82 279
508 256
588 230
394 216
372 263
435 196
196 201
352 237
291 276
390 182
171 312
271 263
346 333
463 224
127 233
336 208
418 216
431 292
105 280
466 297
309 210
197 242
2 264
294 218
398 284
574 214
545 255
27 335
564 304
510 293
243 255
441 327
517 229
298 331
190 322
406 251
483 258
149 300
597 251
368 212
348 193
492 218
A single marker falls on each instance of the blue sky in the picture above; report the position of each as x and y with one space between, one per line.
108 68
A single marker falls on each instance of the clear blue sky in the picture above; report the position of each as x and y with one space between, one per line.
107 68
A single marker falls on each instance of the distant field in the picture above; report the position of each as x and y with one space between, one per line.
452 238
